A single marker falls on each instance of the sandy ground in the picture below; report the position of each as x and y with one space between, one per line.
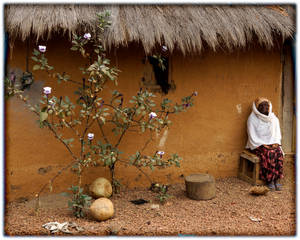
229 213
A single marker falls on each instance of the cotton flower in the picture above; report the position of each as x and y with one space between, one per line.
160 153
87 36
47 90
90 136
152 115
164 48
42 48
195 93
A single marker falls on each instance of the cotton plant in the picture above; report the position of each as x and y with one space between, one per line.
140 114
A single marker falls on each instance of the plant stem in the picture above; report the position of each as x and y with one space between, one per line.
102 132
66 145
91 124
71 127
80 170
147 142
72 81
122 135
112 173
51 181
105 104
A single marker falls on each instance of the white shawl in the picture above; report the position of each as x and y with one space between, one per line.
262 129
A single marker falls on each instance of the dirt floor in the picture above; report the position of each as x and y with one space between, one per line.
229 213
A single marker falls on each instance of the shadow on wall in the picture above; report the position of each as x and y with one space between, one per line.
33 91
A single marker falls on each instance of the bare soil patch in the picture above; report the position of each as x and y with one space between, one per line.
229 213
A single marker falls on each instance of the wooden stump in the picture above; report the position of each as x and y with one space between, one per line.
200 186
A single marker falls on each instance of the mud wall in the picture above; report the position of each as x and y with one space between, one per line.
209 136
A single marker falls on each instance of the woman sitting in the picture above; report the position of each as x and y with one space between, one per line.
264 139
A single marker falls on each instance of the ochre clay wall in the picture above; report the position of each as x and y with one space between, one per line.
209 136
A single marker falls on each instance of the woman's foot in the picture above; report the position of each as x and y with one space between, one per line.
271 186
277 186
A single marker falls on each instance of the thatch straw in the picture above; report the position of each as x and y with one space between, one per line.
187 27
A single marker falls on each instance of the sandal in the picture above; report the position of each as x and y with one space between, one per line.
277 187
271 186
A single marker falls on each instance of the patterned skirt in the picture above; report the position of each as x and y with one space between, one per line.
271 163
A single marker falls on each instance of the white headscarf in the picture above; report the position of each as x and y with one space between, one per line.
262 129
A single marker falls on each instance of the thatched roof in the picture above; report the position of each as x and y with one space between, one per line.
187 27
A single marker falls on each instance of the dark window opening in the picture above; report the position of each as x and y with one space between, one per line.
157 74
161 72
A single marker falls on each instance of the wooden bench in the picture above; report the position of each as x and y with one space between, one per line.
249 166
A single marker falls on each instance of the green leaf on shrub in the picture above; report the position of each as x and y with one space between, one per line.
34 59
65 194
67 99
36 52
43 116
67 141
36 67
102 119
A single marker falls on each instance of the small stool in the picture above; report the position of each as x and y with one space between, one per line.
200 186
249 168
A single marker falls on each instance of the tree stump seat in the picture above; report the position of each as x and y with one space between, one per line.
249 167
200 186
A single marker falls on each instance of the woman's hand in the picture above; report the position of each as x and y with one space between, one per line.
266 146
271 146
